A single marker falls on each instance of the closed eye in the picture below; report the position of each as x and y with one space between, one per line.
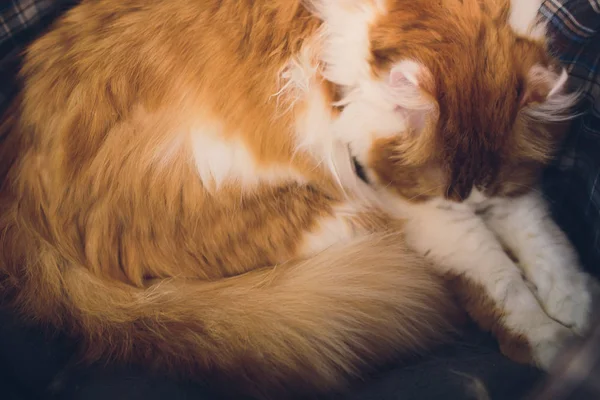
359 170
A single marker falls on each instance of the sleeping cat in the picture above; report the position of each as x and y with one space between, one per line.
284 193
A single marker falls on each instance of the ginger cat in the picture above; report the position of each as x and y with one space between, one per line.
181 194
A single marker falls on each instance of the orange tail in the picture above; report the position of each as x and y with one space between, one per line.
308 325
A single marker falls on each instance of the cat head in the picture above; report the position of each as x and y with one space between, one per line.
458 98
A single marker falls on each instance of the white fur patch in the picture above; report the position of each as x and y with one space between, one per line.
361 123
382 109
301 92
330 231
458 242
524 19
313 125
315 128
346 44
373 108
297 78
546 257
223 162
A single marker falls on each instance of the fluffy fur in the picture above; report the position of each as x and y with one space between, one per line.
180 194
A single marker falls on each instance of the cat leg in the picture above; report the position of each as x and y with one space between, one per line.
546 257
489 284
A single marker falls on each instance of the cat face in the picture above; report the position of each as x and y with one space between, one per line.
463 103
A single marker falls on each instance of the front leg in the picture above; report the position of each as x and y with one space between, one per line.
487 281
547 258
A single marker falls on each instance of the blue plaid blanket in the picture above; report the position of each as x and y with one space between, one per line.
573 183
20 22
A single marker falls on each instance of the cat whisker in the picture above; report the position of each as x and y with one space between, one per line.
425 192
533 189
458 194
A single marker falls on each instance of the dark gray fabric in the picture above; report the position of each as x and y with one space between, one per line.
35 366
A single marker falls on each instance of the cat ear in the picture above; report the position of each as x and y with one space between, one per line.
411 87
543 83
545 94
405 74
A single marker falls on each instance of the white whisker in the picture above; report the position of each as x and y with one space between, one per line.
425 192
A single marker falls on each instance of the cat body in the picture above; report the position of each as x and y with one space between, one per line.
181 193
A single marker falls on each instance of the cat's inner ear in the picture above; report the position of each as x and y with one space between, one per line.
542 84
405 73
411 85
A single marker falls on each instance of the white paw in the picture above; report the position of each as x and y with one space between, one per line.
568 300
547 342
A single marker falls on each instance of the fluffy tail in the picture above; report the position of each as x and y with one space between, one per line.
314 323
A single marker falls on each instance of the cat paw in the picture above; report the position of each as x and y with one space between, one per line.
568 300
539 344
547 342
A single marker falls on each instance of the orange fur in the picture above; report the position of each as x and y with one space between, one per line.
479 83
167 163
109 234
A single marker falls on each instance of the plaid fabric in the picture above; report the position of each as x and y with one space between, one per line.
20 22
573 183
18 15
